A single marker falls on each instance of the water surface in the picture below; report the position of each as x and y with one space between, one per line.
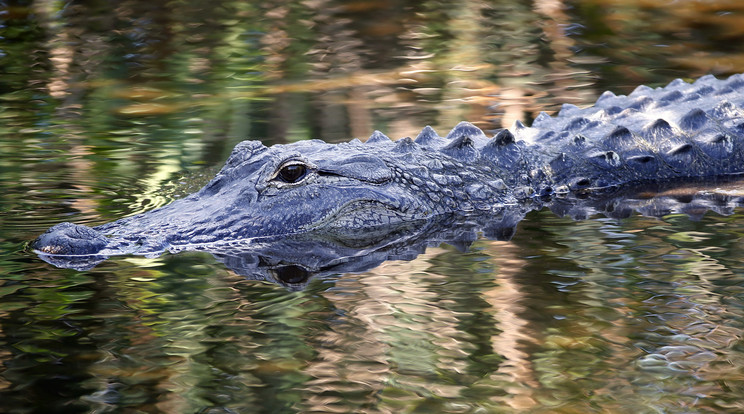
110 109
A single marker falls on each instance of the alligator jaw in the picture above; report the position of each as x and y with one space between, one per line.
364 215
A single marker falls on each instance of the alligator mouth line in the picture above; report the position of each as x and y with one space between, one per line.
362 214
351 216
354 215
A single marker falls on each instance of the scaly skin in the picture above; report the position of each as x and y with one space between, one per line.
678 132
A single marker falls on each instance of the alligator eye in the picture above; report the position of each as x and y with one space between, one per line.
292 173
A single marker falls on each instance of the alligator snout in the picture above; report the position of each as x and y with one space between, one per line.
70 239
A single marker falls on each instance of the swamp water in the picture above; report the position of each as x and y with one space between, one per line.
107 110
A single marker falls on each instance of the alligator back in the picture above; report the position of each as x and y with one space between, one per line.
683 130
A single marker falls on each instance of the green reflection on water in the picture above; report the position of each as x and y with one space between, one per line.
109 109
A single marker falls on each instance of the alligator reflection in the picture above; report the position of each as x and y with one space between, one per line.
292 261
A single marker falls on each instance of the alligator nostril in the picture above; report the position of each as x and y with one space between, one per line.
70 239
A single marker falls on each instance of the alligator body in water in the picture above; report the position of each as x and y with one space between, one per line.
294 260
358 190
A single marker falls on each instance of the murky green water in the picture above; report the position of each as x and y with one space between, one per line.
113 108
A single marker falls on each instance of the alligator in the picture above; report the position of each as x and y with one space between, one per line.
359 190
293 261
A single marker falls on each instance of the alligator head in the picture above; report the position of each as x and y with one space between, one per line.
348 189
